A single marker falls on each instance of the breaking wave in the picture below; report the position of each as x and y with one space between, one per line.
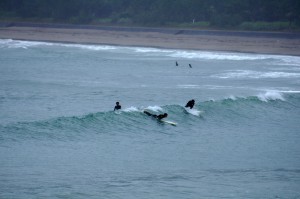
133 120
147 51
256 75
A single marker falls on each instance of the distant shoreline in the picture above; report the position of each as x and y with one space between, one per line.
280 43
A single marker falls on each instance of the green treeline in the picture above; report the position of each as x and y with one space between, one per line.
241 14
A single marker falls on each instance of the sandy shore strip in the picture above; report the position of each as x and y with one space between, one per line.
234 41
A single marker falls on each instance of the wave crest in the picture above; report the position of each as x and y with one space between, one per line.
133 120
271 95
255 75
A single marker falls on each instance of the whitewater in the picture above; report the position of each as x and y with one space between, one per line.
60 138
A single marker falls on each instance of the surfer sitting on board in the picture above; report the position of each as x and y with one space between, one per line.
159 117
190 104
118 106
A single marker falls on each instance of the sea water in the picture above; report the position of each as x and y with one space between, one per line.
59 136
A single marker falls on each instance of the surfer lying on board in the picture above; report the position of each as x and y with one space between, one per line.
159 117
118 106
190 104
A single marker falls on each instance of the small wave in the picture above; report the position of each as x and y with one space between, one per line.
289 91
288 60
9 43
192 86
151 50
218 55
206 55
256 75
89 47
265 97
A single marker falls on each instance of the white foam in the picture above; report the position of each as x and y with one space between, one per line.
206 55
154 108
288 60
184 54
193 111
232 97
191 86
280 74
290 91
256 75
9 43
190 54
89 47
271 95
150 50
217 55
131 109
286 68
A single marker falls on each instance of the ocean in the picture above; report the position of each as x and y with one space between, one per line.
60 138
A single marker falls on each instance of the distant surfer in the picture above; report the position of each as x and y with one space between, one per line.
117 107
190 104
176 63
190 65
159 117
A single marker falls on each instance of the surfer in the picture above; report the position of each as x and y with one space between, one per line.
190 65
159 117
190 104
176 63
118 106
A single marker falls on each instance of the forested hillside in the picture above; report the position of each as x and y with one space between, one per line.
237 14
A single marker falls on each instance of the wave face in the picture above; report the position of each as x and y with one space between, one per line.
264 107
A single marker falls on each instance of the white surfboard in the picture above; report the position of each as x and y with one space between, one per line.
118 112
169 122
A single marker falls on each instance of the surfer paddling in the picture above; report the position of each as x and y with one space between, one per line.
117 107
190 104
159 117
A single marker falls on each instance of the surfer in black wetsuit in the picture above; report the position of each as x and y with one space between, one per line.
118 106
159 117
190 104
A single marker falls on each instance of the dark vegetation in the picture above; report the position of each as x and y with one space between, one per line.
222 14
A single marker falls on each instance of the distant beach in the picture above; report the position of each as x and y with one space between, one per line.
206 40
